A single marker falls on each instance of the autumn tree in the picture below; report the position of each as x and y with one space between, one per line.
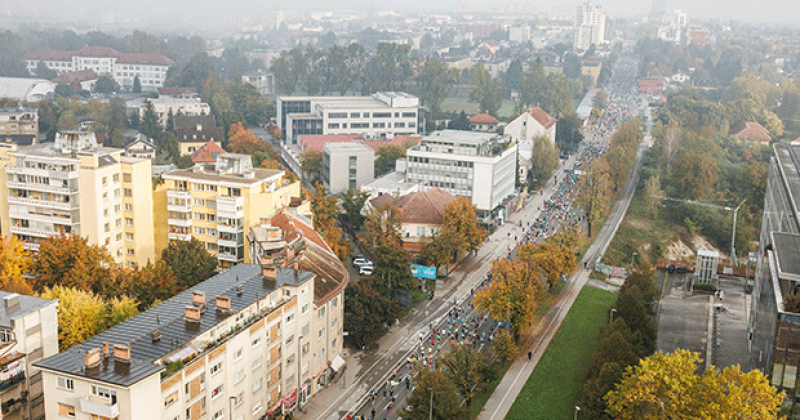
326 210
386 158
382 238
694 174
434 386
512 295
149 284
69 261
504 347
311 163
593 193
189 262
466 367
367 312
551 257
460 218
352 203
666 386
438 250
14 262
242 140
652 192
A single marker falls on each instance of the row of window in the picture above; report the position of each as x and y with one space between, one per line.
340 115
336 126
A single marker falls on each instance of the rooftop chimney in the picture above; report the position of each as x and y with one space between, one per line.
198 298
155 336
122 353
11 301
105 348
192 314
91 358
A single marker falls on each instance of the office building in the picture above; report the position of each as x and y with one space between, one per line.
479 166
19 125
382 115
590 26
244 344
166 105
347 166
217 203
28 333
75 186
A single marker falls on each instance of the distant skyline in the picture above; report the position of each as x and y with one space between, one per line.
203 15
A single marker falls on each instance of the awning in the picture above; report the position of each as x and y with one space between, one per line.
337 363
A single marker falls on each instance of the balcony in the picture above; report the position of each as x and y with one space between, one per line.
99 406
32 232
180 208
224 256
50 219
230 207
178 236
37 187
228 228
179 222
12 382
12 405
227 242
39 203
173 193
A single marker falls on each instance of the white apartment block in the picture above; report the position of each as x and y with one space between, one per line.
123 67
246 343
75 186
382 115
28 333
590 26
263 81
519 34
347 166
479 166
163 105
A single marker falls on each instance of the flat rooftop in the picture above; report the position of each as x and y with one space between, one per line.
169 318
26 304
209 174
787 252
460 137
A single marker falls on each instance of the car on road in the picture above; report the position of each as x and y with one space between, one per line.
358 262
365 270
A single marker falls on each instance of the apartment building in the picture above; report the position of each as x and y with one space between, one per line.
384 115
590 26
347 166
247 343
75 186
216 204
263 81
123 67
194 131
164 105
28 333
480 166
19 125
532 123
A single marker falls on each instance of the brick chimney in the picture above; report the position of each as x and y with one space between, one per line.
91 358
122 353
192 313
105 348
198 298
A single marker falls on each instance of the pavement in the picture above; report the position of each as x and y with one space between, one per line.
682 317
369 369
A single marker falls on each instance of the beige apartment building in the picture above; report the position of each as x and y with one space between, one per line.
28 333
217 203
248 342
19 125
75 186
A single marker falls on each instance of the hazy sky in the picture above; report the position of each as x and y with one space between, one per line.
200 14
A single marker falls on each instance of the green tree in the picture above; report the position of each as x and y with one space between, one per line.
367 313
460 122
149 284
289 69
150 124
63 91
466 368
137 84
544 160
352 203
434 387
568 131
105 85
432 79
694 174
486 91
326 210
44 72
388 70
387 157
600 99
572 65
194 73
382 239
311 162
189 262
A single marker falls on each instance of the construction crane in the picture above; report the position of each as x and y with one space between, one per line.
726 208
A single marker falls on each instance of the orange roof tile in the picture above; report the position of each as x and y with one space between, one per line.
419 207
753 131
207 153
542 117
483 119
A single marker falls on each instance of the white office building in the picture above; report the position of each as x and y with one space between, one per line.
480 166
590 26
382 115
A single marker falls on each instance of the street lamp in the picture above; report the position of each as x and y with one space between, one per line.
611 316
576 412
632 257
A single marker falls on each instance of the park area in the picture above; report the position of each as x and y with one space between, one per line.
552 389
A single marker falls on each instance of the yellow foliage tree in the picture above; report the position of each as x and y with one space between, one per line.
512 294
14 261
665 386
242 140
552 257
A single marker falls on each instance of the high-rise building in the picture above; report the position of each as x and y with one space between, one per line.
217 203
590 26
75 186
28 333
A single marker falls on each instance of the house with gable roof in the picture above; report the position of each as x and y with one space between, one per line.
532 123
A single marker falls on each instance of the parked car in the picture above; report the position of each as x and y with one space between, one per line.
358 262
365 270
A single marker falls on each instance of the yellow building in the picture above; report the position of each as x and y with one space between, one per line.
217 204
75 186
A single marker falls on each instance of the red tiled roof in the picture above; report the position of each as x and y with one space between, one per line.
207 153
483 119
99 52
542 117
76 76
753 131
419 207
153 59
49 55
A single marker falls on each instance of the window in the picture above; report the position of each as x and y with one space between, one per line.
381 115
117 208
66 410
321 312
334 322
257 385
238 376
256 363
409 115
216 392
171 399
217 415
289 319
290 359
238 399
305 308
199 202
128 222
355 115
116 192
256 407
107 227
337 115
126 177
321 333
65 383
400 125
237 355
256 342
119 237
128 192
118 222
128 207
216 368
290 339
335 301
333 125
105 180
6 337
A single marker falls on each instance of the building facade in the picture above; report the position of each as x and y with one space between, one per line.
218 203
19 125
249 342
28 333
165 105
384 114
479 166
590 26
263 81
75 186
530 124
423 214
123 67
347 166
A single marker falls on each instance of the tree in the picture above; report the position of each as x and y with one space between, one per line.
311 162
460 122
504 347
439 249
14 262
367 312
572 65
460 217
137 85
189 261
326 210
149 284
544 159
387 157
44 72
388 70
432 79
486 91
63 91
143 43
382 239
465 367
150 124
434 387
600 99
512 295
551 257
353 202
730 65
105 85
593 193
665 386
289 69
69 261
694 174
652 190
194 73
242 140
568 131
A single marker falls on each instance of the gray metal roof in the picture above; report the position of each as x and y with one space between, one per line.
168 318
26 304
786 246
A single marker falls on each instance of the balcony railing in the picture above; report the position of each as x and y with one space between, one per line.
41 203
12 381
99 406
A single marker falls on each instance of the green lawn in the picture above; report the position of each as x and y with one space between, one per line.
552 389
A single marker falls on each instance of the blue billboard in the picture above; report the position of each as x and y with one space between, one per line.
423 271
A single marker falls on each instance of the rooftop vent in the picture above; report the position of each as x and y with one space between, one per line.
11 301
155 336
